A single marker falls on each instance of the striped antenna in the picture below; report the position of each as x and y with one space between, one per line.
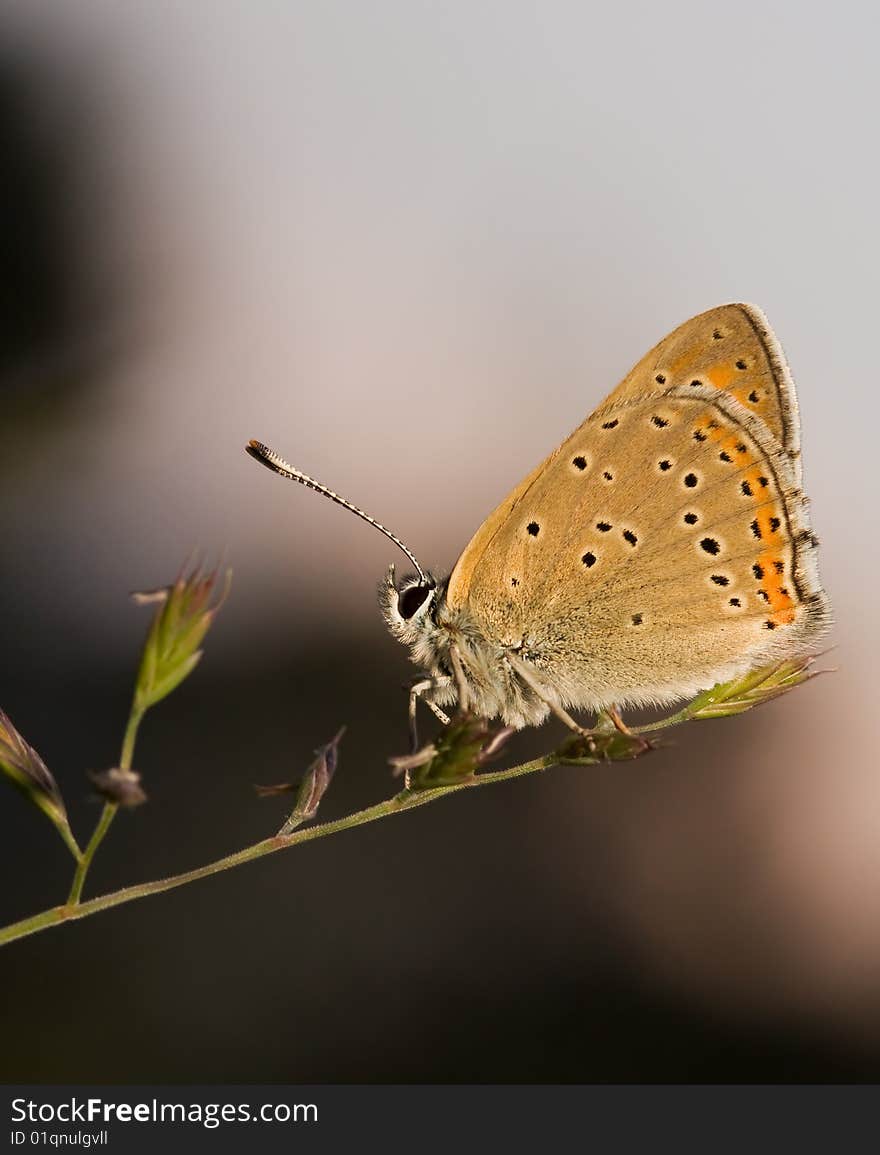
271 460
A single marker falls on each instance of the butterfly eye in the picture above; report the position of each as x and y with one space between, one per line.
411 600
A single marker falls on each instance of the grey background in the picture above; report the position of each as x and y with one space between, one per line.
411 245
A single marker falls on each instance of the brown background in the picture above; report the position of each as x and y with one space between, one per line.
411 245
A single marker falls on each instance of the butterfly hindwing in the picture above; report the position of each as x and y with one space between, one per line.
663 544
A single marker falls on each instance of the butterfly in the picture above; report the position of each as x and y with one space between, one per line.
663 547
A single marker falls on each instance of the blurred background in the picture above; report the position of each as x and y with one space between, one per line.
411 245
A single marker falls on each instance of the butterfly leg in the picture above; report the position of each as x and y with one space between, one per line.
553 707
438 713
613 715
564 716
461 689
415 693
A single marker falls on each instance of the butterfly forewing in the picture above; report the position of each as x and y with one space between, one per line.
731 348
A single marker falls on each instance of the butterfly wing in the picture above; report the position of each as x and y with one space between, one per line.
664 546
731 348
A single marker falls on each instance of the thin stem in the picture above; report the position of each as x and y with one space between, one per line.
547 762
673 720
107 814
69 841
406 800
731 698
128 739
82 867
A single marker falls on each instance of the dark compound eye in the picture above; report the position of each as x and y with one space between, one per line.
411 600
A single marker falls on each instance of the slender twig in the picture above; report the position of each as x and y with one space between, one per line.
448 766
662 723
82 867
71 843
84 861
406 800
128 740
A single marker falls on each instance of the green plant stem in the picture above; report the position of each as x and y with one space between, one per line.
69 841
129 738
107 814
406 800
82 867
664 723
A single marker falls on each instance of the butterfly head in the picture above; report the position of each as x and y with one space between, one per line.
410 608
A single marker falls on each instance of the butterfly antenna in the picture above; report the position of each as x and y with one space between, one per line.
271 460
